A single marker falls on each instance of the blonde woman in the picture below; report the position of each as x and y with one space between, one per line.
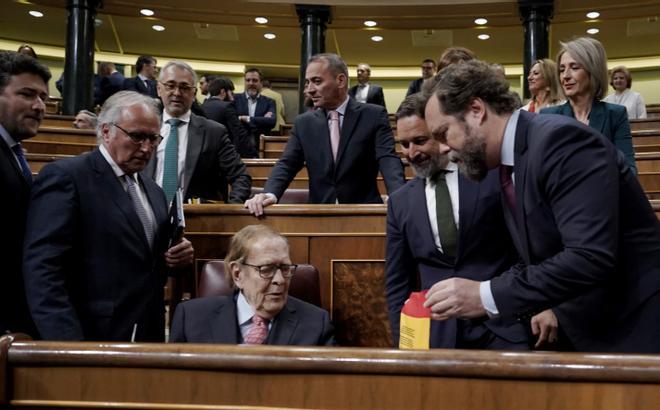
621 80
543 85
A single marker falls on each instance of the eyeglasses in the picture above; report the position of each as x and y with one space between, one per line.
139 137
268 271
182 87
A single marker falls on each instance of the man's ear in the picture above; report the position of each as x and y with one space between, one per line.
105 132
341 80
477 110
235 272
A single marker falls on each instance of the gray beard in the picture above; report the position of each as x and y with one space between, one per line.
434 165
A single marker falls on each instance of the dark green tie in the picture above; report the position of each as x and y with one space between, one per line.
445 215
171 160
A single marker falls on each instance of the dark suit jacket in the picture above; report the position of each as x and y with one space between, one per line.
484 250
89 271
415 86
366 145
611 120
111 84
14 314
136 84
259 124
374 95
224 112
214 320
587 235
211 163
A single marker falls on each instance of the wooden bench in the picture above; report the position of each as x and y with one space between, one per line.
57 148
64 134
54 120
195 377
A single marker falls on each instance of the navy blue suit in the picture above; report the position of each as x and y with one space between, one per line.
374 95
224 112
365 146
484 249
89 271
136 84
110 84
588 237
214 320
259 124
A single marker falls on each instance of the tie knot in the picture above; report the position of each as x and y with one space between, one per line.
130 179
174 122
259 321
334 115
441 175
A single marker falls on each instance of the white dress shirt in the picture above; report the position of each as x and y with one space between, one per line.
183 146
506 158
362 92
429 191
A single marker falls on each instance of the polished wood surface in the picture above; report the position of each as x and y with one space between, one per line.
54 120
191 376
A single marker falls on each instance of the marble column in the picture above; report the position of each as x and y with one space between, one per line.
313 20
536 16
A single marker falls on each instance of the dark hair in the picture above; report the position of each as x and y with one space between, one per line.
255 70
335 63
142 60
14 63
266 83
28 50
209 77
457 85
413 105
453 55
428 60
218 84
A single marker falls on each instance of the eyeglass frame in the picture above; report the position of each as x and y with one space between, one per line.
153 139
291 266
183 88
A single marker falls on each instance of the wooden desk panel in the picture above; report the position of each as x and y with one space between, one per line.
67 375
53 120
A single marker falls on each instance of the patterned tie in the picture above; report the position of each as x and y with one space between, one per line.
139 209
335 134
445 214
25 168
508 189
171 162
258 331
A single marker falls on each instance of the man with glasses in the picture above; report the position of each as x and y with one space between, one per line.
428 70
23 90
258 267
196 153
96 244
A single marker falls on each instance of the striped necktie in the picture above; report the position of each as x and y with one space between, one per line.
141 212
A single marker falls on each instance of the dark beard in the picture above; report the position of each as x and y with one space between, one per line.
434 165
473 156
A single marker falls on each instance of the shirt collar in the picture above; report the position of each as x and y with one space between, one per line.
5 136
244 311
143 78
185 117
342 107
451 167
509 140
255 98
115 168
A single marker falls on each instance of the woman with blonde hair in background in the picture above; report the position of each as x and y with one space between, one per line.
582 66
543 85
621 80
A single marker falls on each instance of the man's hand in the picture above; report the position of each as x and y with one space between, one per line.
244 118
268 114
257 203
180 254
545 325
454 298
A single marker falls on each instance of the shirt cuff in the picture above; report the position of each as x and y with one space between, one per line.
487 299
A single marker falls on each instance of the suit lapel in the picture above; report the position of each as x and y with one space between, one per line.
520 172
320 123
9 155
223 326
284 326
420 217
467 194
107 178
196 136
351 117
597 117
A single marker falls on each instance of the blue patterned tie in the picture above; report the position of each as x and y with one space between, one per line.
25 168
139 209
170 164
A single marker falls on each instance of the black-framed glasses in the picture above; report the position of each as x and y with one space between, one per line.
139 137
184 88
268 271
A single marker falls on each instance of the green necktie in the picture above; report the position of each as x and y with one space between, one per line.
445 215
171 161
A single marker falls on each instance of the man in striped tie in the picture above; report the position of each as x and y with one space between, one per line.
23 90
96 243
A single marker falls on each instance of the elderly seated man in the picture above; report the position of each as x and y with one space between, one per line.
260 311
85 120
